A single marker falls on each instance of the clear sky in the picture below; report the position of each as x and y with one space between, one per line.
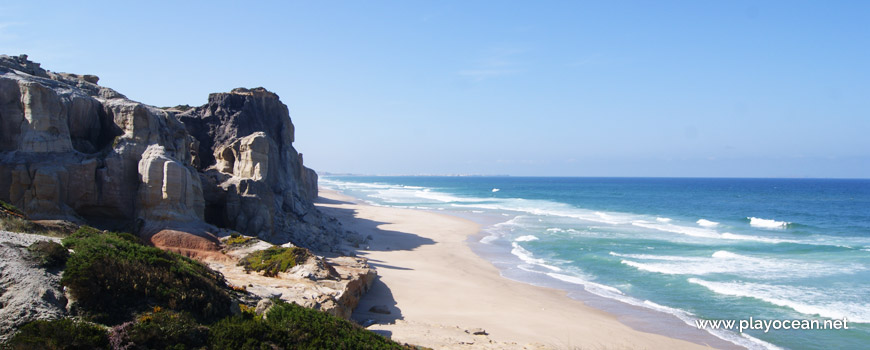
604 88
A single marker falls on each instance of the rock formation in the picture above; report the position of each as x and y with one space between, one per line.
333 285
253 178
27 291
73 150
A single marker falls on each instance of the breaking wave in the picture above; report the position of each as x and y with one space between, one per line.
809 301
767 223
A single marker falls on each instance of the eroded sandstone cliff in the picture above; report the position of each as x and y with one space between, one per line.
73 150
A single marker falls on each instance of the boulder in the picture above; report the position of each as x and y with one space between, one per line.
380 309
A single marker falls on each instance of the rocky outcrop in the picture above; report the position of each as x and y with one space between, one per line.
73 150
27 291
333 285
253 178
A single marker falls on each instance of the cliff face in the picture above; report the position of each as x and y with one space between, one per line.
71 149
254 179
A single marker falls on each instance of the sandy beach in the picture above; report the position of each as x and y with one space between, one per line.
439 293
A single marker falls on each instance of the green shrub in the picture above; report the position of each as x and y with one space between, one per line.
111 277
86 231
61 334
11 209
242 332
274 260
82 232
290 326
160 329
48 253
238 240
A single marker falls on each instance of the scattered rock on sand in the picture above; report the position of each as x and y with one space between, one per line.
476 331
380 309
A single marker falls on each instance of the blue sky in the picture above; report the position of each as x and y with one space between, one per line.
607 88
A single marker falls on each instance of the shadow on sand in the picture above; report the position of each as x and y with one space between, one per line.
379 297
381 240
322 200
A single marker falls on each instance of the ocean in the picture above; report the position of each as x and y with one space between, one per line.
693 248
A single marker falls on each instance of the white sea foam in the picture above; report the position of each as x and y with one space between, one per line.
707 223
755 341
588 285
724 254
729 235
663 219
709 233
659 257
725 262
496 189
547 208
668 227
489 239
767 223
399 193
832 303
685 316
527 257
445 198
526 238
555 230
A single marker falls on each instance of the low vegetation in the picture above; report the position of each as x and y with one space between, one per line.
10 209
153 299
12 219
48 254
237 240
182 108
111 276
273 260
61 334
285 326
290 326
160 329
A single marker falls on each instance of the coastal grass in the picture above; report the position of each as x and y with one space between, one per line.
112 276
13 219
14 222
273 260
60 334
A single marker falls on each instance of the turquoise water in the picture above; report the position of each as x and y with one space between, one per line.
694 248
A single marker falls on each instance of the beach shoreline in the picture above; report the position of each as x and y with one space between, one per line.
439 292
